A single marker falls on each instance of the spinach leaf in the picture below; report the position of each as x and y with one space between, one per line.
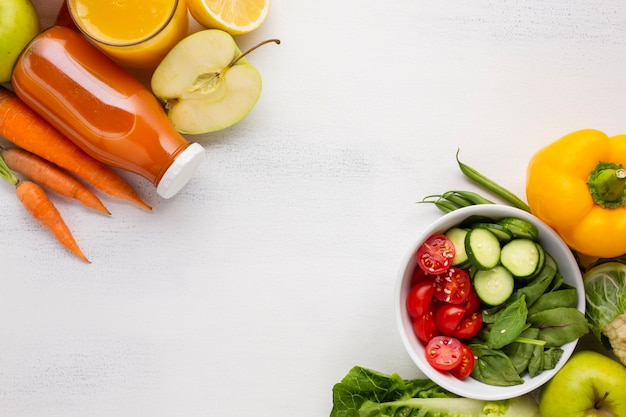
543 360
493 367
559 325
560 298
535 288
509 323
520 353
535 365
551 357
490 315
558 283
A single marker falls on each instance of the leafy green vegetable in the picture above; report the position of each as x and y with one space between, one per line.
535 365
509 323
542 360
536 288
367 393
605 291
519 352
561 298
551 357
560 325
361 385
494 367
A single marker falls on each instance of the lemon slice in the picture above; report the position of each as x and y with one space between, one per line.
233 16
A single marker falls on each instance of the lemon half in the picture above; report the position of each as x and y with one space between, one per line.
233 16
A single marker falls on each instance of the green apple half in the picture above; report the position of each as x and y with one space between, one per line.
590 384
19 23
206 83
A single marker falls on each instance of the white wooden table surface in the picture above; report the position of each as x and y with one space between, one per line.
271 274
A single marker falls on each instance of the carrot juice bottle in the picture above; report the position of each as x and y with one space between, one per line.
103 109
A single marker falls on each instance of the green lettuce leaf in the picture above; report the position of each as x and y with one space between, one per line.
367 393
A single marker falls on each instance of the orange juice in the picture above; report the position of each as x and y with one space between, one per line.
136 33
103 109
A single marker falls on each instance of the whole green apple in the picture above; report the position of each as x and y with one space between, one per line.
19 23
590 384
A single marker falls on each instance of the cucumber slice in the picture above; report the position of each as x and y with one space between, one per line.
494 286
542 259
483 248
457 237
502 233
522 257
520 228
548 271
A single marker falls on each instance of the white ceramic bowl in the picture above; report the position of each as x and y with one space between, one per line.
471 387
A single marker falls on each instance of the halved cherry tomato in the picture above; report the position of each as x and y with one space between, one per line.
465 368
444 353
436 254
419 298
424 325
453 286
448 317
469 326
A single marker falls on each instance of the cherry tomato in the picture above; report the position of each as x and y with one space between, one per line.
424 325
448 317
473 303
419 298
453 286
436 254
444 353
465 368
420 275
469 326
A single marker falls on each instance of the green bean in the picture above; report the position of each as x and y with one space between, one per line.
492 186
457 199
441 203
445 205
472 197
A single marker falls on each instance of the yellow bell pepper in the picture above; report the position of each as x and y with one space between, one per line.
576 185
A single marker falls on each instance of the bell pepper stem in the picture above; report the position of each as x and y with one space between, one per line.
607 185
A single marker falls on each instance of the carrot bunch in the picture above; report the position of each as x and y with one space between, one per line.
36 201
46 157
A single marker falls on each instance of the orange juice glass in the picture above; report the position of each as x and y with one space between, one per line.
136 33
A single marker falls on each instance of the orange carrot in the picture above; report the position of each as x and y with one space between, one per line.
50 176
23 127
35 200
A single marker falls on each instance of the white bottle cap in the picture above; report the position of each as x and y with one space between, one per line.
181 171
